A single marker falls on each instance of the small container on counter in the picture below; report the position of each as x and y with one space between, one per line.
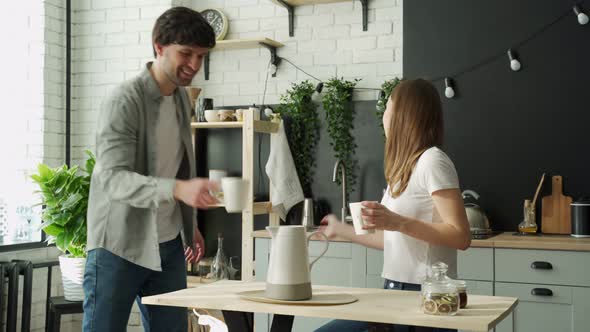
461 286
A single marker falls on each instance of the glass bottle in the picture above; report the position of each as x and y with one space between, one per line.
220 268
528 225
439 293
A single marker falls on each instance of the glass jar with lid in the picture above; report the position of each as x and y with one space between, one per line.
439 293
462 290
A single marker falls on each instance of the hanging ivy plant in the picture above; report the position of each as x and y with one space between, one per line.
386 89
337 102
304 130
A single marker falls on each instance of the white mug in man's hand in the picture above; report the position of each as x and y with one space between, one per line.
235 192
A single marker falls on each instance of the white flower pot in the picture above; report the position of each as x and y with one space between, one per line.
72 275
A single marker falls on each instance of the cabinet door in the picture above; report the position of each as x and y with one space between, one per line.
374 268
581 309
540 313
476 264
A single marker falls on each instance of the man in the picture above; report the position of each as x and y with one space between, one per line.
143 190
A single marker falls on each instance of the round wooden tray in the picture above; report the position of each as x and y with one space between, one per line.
316 299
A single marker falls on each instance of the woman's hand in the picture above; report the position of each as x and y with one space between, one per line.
377 216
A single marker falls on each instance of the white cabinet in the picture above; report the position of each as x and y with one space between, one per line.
476 267
551 287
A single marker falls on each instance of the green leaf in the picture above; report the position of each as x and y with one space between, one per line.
64 194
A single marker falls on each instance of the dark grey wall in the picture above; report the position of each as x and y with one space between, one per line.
505 129
222 149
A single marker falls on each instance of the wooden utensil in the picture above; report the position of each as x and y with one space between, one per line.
555 210
538 189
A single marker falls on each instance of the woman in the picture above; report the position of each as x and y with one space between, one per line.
421 219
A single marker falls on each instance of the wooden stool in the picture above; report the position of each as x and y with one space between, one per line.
59 306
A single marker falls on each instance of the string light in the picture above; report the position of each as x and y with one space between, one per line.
582 17
273 69
514 63
449 91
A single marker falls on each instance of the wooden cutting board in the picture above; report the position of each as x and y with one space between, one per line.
556 210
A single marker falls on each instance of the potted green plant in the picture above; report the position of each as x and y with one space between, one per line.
337 102
386 89
64 194
304 130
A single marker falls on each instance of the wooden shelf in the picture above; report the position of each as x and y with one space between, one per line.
233 44
291 4
259 126
259 207
216 125
308 2
249 126
236 44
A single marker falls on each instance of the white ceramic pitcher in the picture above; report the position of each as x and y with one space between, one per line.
288 276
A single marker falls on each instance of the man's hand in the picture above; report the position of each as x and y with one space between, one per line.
333 228
196 192
194 256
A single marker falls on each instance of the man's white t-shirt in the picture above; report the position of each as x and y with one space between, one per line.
407 259
169 152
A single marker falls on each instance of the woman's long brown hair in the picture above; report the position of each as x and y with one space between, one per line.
416 125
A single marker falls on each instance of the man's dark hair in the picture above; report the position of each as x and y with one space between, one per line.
184 26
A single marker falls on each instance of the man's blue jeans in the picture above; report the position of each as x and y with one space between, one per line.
357 326
111 284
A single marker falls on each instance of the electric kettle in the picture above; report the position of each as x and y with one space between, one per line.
288 276
478 221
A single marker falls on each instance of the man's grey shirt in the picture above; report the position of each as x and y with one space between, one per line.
124 192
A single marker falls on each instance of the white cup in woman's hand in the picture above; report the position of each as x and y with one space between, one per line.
357 219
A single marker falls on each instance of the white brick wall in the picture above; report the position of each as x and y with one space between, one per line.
112 41
328 42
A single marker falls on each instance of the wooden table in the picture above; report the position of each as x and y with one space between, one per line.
374 305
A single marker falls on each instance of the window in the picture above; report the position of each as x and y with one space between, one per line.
32 112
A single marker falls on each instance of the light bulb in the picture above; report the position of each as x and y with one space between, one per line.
582 17
273 69
514 63
449 91
268 112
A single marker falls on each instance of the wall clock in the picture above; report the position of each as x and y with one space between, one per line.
218 21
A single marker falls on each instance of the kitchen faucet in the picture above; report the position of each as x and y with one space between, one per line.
340 164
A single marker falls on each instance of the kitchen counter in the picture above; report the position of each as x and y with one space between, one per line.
504 240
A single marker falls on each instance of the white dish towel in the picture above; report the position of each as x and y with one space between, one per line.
280 168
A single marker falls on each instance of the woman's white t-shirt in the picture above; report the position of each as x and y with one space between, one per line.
407 259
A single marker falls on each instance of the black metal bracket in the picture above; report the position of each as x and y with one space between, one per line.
274 59
291 11
365 4
206 60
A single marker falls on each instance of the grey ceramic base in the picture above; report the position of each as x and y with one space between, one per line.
288 292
